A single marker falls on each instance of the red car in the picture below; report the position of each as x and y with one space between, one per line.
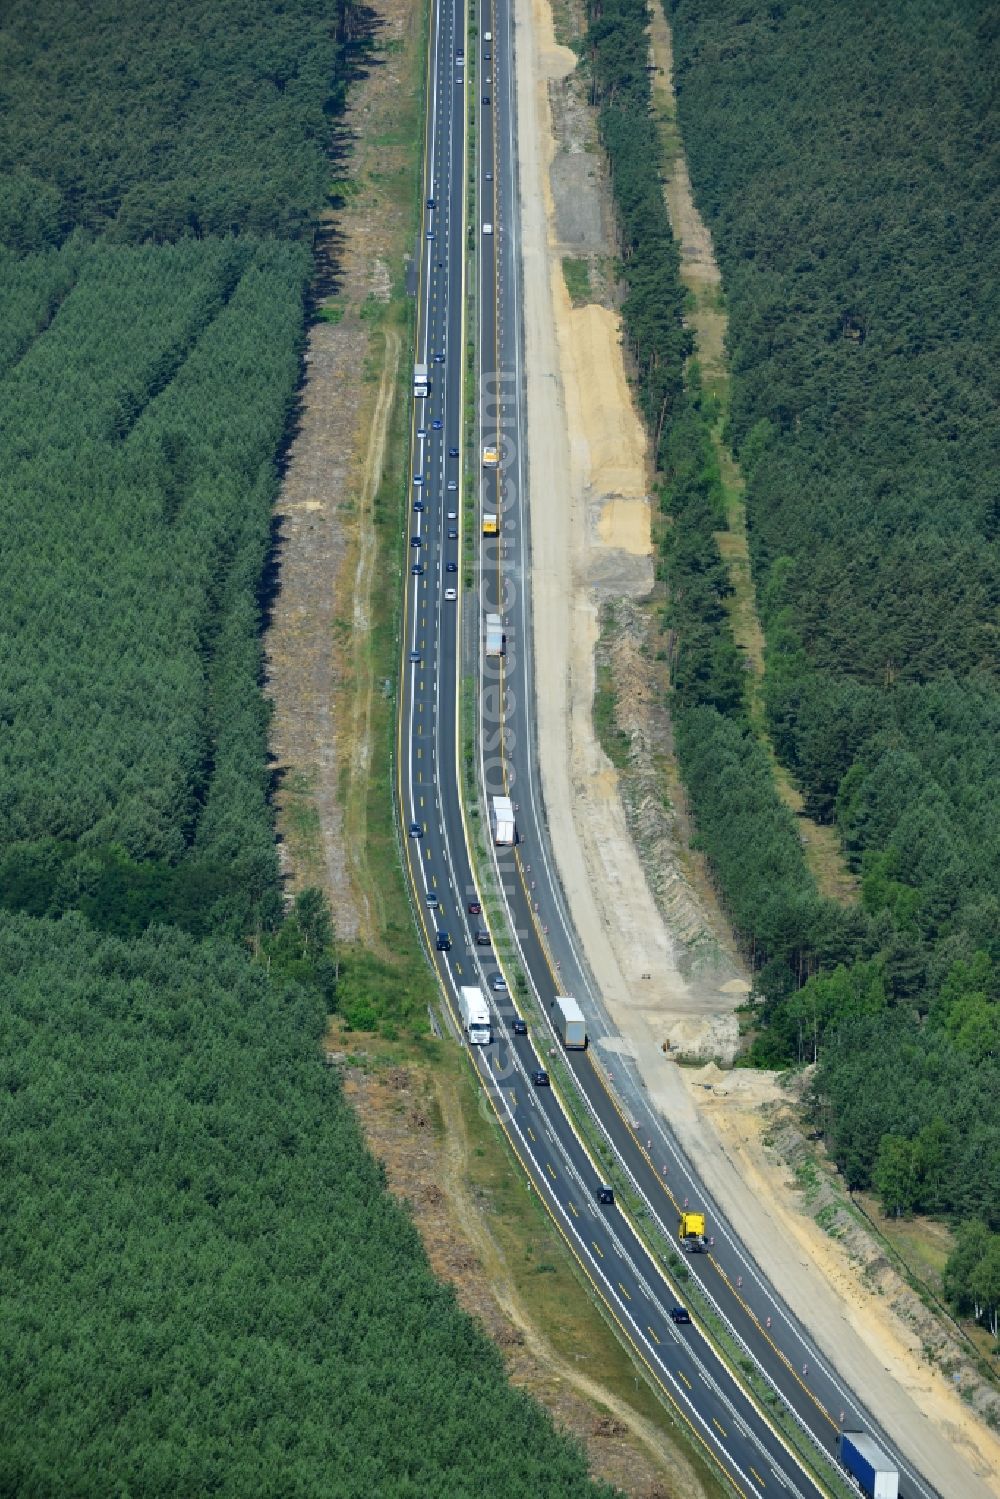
475 909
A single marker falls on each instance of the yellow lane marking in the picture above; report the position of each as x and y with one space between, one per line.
549 1169
765 1334
756 1475
573 1210
652 1334
598 1248
685 1378
718 1423
531 1134
624 1292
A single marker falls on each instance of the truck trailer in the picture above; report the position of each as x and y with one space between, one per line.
570 1023
491 454
475 1015
876 1476
502 817
495 643
421 382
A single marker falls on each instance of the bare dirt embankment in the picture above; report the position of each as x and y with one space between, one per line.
415 1121
328 731
590 543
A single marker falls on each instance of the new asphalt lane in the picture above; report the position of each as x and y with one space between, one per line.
466 275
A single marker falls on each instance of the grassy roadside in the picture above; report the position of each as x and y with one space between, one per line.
521 1264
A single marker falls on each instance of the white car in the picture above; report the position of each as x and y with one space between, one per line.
487 228
451 594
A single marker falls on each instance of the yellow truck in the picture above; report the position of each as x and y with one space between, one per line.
491 457
691 1232
491 523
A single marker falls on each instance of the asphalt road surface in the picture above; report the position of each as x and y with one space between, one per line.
469 274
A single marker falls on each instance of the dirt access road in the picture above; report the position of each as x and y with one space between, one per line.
590 540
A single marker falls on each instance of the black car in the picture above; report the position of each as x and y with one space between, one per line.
417 569
606 1195
451 567
452 534
519 1026
482 938
443 942
679 1314
486 99
475 909
540 1077
431 202
416 541
416 831
452 452
419 506
439 357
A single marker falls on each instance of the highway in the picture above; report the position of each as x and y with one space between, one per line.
468 288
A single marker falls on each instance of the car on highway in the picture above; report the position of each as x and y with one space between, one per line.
451 594
437 424
416 541
540 1077
452 534
489 176
452 484
430 234
451 567
452 452
519 1026
418 480
431 202
414 658
475 908
419 505
486 56
453 515
486 99
439 357
605 1195
483 938
680 1314
416 831
432 900
417 569
443 942
498 984
421 431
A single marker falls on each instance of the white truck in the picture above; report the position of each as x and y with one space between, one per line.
570 1023
875 1474
502 817
495 643
475 1015
421 382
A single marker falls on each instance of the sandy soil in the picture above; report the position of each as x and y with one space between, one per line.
855 1318
591 460
634 955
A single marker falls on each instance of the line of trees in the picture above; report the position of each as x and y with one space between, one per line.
206 1286
877 597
